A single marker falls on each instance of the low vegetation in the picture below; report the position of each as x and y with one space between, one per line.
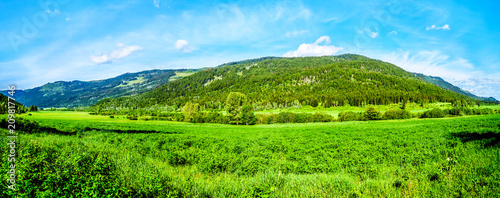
117 157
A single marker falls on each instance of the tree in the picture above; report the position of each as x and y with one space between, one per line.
234 103
33 108
190 111
404 104
247 115
372 114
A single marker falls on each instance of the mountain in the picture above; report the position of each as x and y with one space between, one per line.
85 93
283 82
446 85
7 103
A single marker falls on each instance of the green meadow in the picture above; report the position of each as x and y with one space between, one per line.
86 155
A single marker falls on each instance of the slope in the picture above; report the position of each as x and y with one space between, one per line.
7 103
284 82
85 93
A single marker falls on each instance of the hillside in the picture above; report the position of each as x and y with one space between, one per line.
284 82
86 93
4 104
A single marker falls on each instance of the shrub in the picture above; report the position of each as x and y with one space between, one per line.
459 111
176 159
482 111
322 117
27 126
303 117
132 116
350 116
266 118
397 114
372 114
434 113
286 117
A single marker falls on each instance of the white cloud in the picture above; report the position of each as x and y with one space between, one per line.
368 32
156 3
183 45
295 33
393 32
180 44
481 86
458 71
433 63
434 27
323 38
315 49
122 51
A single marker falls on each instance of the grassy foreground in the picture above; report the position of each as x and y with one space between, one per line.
116 157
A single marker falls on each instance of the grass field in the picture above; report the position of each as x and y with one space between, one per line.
116 157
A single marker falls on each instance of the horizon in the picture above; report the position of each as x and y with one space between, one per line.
98 40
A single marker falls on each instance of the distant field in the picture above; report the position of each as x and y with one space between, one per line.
179 75
133 82
448 157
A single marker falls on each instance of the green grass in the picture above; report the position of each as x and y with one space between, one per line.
133 82
447 157
179 75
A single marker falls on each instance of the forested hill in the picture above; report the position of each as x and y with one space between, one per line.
86 93
5 106
283 82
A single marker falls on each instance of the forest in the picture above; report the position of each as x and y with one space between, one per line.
285 82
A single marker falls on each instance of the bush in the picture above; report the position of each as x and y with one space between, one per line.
132 116
303 117
397 114
27 126
289 117
266 118
322 117
351 116
176 159
286 117
482 111
372 114
434 113
459 111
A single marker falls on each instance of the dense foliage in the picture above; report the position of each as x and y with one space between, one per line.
4 105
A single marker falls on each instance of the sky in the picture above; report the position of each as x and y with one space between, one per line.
63 40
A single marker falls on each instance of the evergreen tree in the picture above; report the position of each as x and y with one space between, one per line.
33 108
247 115
234 104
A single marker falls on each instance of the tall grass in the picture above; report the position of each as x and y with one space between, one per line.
120 158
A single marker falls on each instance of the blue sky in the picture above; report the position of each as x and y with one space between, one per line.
47 41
